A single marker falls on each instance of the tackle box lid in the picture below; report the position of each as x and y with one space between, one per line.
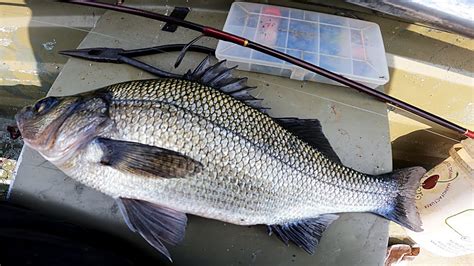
350 47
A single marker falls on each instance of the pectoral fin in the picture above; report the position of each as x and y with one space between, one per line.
142 159
154 223
306 233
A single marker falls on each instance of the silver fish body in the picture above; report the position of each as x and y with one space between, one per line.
255 172
173 146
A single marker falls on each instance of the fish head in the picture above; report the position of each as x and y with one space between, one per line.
59 126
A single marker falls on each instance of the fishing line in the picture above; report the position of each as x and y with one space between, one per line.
185 49
440 135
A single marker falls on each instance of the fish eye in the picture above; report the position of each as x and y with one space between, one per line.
45 105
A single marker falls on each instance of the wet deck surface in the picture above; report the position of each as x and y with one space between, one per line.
356 126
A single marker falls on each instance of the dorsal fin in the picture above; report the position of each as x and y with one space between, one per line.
310 131
219 77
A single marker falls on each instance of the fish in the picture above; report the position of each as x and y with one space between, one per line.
203 145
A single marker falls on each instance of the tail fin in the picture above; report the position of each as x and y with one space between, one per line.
403 210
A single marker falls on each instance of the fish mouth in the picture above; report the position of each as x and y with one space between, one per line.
23 115
21 119
35 136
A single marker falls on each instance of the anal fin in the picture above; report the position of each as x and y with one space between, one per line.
154 223
306 233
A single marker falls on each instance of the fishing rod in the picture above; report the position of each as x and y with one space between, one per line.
225 36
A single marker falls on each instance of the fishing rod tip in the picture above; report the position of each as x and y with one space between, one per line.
469 134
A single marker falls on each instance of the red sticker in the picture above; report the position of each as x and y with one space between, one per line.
430 182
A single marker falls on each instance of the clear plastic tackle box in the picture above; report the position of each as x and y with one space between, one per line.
350 47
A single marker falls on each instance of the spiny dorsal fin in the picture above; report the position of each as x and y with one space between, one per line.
310 131
219 77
